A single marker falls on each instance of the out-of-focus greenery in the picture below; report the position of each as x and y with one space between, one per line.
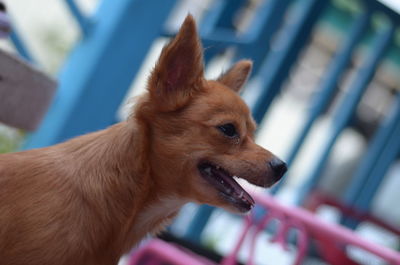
10 140
211 243
57 48
352 6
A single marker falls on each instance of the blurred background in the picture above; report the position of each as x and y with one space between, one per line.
324 90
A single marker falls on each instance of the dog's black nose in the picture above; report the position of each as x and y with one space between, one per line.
278 167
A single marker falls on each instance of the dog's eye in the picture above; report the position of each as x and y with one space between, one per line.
228 129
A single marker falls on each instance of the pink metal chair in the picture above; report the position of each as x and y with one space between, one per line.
330 239
317 199
157 252
253 228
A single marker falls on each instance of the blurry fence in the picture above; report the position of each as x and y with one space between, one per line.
295 22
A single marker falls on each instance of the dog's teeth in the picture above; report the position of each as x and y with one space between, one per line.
241 194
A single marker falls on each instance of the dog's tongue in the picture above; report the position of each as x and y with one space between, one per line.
233 188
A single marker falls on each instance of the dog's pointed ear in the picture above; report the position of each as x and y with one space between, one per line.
237 75
178 73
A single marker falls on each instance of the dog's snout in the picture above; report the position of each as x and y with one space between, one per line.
278 167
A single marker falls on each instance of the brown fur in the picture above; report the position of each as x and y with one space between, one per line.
90 199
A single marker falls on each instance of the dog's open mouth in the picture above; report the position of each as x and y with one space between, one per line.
228 188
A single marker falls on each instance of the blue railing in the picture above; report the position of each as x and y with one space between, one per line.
274 70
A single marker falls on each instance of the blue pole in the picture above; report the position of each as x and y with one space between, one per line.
275 69
219 17
198 223
384 148
84 22
375 149
348 105
390 153
328 85
218 32
20 46
267 20
100 69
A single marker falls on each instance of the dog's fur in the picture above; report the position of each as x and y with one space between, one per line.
89 200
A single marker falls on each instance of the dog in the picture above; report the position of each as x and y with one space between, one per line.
90 199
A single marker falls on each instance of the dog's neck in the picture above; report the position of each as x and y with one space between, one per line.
114 162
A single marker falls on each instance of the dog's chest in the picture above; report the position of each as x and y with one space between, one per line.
155 217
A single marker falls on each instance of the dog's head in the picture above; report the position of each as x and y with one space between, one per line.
201 134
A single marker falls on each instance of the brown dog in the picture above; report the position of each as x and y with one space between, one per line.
89 200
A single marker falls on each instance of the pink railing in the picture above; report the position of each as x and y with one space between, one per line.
331 240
